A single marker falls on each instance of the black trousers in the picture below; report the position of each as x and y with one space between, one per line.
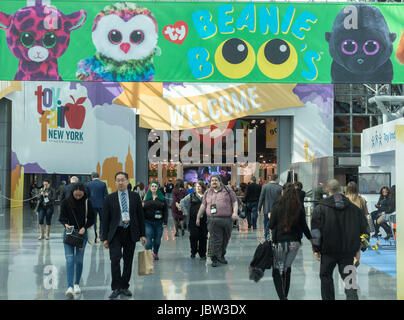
327 266
121 246
198 239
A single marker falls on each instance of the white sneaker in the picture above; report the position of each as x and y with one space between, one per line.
77 289
69 292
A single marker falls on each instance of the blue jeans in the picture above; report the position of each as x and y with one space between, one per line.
252 214
265 224
100 212
45 212
154 232
74 261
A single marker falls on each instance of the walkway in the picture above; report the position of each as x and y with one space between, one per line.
26 262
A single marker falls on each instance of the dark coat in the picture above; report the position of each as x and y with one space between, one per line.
112 217
66 191
296 231
337 225
263 259
151 206
51 198
73 213
178 195
97 191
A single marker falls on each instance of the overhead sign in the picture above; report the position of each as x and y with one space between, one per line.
170 41
381 138
157 112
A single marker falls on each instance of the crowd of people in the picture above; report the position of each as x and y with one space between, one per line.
209 211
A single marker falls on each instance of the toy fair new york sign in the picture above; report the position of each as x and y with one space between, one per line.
243 42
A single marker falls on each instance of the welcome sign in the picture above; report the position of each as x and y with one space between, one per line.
243 42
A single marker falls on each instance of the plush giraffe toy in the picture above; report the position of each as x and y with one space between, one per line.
38 35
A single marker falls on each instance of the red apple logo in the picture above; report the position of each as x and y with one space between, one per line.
75 113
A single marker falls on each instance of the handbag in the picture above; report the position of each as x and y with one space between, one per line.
75 239
145 263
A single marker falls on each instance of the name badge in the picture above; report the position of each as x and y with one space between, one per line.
46 200
213 209
158 215
125 216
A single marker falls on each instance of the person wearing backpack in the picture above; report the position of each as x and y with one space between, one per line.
221 207
336 229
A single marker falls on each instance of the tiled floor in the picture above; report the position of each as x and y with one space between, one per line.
28 265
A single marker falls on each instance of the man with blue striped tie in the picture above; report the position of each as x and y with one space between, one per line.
123 226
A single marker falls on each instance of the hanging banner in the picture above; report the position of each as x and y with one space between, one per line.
170 41
71 128
215 107
271 133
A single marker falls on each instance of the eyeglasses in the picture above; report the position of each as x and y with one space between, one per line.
120 180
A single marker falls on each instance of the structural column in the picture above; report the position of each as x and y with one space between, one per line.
5 151
284 147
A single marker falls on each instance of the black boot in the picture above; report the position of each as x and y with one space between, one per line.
387 229
377 227
287 281
278 284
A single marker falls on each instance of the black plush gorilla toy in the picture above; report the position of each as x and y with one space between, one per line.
361 53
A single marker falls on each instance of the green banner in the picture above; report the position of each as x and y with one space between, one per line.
241 42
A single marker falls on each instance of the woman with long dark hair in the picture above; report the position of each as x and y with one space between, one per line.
384 216
178 194
287 223
198 234
156 216
76 211
383 205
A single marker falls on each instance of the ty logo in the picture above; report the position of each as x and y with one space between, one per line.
176 33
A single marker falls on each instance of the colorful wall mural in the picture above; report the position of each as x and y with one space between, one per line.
70 128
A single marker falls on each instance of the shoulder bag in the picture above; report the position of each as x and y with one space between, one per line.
76 239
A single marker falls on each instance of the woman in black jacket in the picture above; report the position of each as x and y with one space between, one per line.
383 205
198 234
46 202
75 211
156 215
287 223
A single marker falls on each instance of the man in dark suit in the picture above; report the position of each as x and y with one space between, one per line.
67 189
97 191
270 192
251 198
123 226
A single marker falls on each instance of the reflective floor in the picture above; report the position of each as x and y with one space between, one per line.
32 269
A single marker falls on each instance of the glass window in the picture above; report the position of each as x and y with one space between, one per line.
342 144
341 107
359 124
356 141
376 120
358 104
342 124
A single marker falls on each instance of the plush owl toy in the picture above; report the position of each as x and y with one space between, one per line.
125 36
